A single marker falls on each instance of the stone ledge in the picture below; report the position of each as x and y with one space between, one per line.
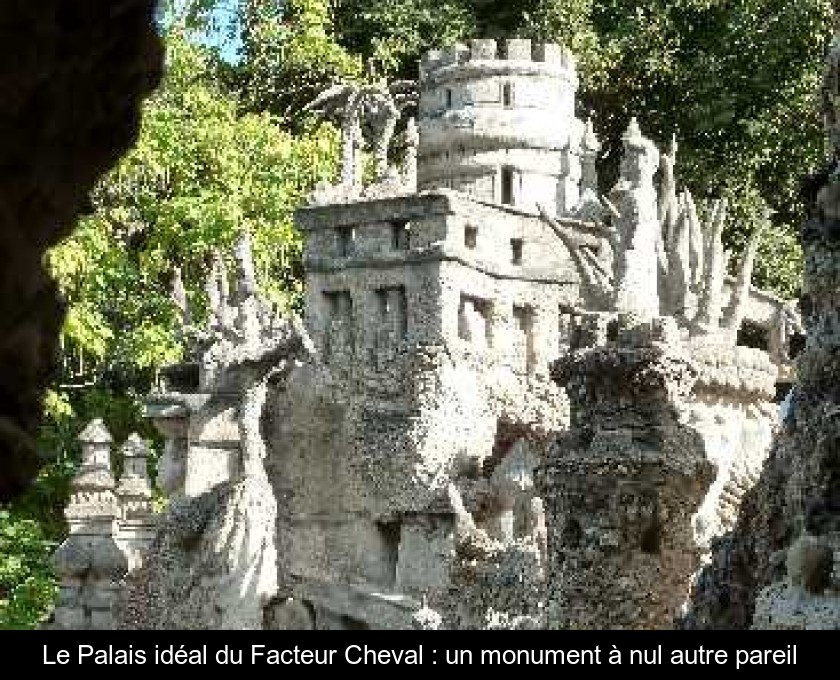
359 602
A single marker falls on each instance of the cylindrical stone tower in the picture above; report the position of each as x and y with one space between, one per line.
497 120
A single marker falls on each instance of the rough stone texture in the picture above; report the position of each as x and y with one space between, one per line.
759 574
213 562
418 466
74 77
211 565
621 487
732 407
90 563
778 567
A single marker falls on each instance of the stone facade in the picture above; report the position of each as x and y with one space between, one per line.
213 563
624 483
510 396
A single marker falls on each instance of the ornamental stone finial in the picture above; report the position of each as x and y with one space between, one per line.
89 562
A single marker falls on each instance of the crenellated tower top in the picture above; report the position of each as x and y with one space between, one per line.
516 55
497 120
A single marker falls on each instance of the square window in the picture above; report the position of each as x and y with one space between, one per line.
400 235
470 236
516 248
475 321
507 95
507 185
345 241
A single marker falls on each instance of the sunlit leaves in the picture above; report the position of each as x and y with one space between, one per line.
734 79
200 173
290 55
27 586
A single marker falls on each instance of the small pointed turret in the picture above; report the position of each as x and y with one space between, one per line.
214 297
246 288
89 562
589 151
135 489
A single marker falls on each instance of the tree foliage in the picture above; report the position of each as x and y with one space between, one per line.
27 587
226 145
289 54
201 172
734 79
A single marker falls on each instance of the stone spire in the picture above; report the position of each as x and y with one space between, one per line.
412 143
246 280
135 497
734 316
93 505
679 293
589 150
589 208
714 271
135 490
214 295
89 562
633 133
668 202
220 273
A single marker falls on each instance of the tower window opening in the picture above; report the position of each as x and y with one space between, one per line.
470 236
393 310
345 241
448 96
651 539
400 235
507 185
475 321
507 95
516 247
753 335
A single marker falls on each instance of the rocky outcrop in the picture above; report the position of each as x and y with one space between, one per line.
205 568
75 75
